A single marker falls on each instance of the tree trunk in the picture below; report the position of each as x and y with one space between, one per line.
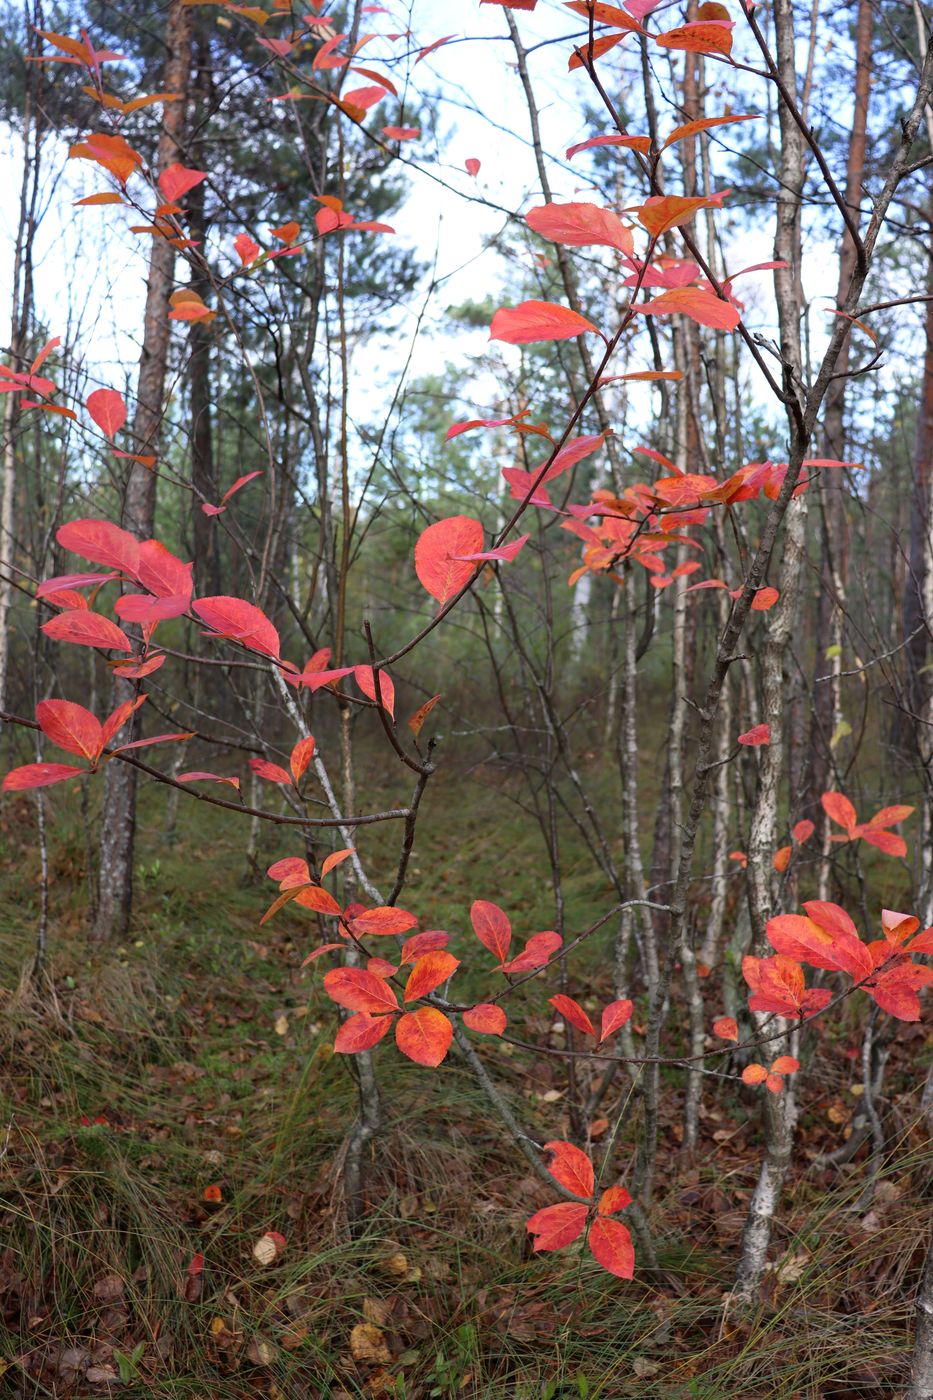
118 820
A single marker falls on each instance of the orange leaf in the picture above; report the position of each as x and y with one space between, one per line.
533 321
486 1019
581 226
424 1036
429 972
383 921
754 1074
301 756
416 723
726 1028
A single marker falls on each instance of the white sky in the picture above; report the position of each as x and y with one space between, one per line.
101 275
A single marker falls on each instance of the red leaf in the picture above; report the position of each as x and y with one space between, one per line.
241 621
423 53
366 680
181 735
360 1032
71 727
145 668
430 970
886 841
634 143
532 321
197 777
581 226
116 720
102 543
752 738
785 1064
492 927
803 831
486 1019
335 858
573 1012
572 1168
271 772
726 1028
67 582
431 941
301 756
424 1036
611 1246
703 307
359 990
472 166
554 1227
895 991
840 810
536 953
754 1074
616 1014
34 775
890 816
436 553
385 920
401 133
162 573
777 985
108 410
247 249
84 628
176 180
504 554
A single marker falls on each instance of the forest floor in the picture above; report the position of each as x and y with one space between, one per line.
176 1098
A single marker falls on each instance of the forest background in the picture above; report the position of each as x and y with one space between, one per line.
723 716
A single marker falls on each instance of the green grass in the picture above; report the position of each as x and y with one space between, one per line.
207 1055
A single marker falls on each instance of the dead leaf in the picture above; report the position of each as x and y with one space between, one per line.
368 1344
